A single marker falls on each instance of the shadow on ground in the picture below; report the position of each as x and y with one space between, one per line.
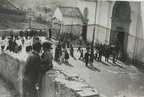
59 62
68 64
106 64
93 68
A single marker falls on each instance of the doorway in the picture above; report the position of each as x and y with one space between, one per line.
120 24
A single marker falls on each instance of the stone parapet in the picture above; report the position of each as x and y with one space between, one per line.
55 83
60 84
11 70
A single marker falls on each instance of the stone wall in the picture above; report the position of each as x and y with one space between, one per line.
55 83
11 70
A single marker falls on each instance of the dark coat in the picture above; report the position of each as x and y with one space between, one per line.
107 52
72 51
91 57
32 68
31 75
66 55
59 46
57 53
21 33
46 61
86 56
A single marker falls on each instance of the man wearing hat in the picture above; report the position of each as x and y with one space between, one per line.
46 63
47 57
31 72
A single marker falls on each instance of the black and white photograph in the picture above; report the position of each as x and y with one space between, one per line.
71 48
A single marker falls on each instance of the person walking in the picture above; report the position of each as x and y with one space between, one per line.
23 41
107 53
100 53
87 57
62 55
14 46
59 47
57 53
3 43
114 54
50 33
79 49
21 33
81 55
72 51
66 56
28 45
91 58
96 55
26 34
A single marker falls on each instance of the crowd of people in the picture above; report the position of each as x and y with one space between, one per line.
14 42
37 65
87 53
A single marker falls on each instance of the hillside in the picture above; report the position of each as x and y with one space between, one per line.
10 16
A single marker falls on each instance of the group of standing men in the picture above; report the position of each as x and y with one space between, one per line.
36 66
12 43
92 54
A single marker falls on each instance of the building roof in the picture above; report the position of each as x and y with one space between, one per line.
112 0
70 11
89 0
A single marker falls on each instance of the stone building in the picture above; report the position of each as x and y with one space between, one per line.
68 17
120 19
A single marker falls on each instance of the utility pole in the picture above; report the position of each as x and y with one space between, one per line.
45 10
94 25
30 23
72 26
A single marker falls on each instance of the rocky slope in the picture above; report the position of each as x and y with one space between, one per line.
10 16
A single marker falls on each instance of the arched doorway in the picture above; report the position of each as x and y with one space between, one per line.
120 24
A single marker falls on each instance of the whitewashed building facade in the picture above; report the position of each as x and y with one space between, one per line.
124 18
68 17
